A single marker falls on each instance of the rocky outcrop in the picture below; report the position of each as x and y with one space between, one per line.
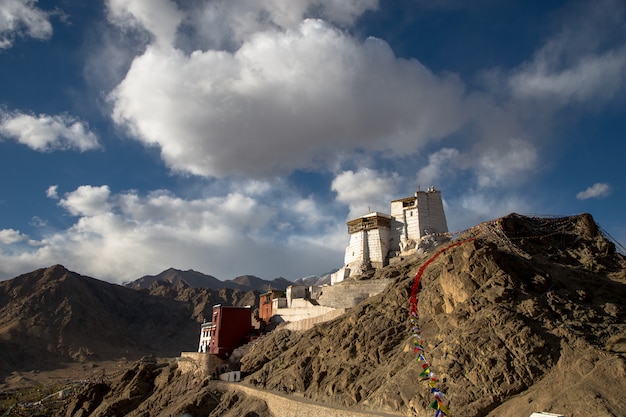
148 388
528 305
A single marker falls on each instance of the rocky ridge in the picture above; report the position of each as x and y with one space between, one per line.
197 279
53 316
527 316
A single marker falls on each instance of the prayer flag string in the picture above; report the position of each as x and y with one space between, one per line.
439 404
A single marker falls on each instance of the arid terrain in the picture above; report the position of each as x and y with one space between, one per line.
524 314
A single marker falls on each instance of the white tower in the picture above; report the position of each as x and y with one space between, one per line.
415 217
376 237
369 243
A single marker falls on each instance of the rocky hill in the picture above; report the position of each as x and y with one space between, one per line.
517 315
525 315
197 279
52 316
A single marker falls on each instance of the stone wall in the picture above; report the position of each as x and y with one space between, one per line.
347 294
307 324
281 405
301 309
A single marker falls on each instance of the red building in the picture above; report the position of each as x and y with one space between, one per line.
266 302
229 329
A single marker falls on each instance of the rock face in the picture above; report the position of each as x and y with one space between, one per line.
148 388
527 317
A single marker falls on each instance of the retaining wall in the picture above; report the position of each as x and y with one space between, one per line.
301 310
348 294
281 405
307 324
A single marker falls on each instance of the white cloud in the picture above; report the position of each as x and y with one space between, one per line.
227 24
364 190
584 62
10 236
597 77
444 163
282 101
597 190
22 17
38 222
52 192
87 200
48 133
160 17
123 236
506 164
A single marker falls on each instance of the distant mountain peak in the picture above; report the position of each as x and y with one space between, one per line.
197 279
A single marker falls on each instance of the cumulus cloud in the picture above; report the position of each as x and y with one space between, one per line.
365 190
597 190
48 133
282 101
122 236
10 236
87 200
226 24
22 18
159 17
445 162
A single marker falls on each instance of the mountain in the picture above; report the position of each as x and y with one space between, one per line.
323 279
190 277
197 279
262 285
53 315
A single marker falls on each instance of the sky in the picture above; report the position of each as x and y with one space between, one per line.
237 137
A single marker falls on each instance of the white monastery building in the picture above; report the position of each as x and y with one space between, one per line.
377 237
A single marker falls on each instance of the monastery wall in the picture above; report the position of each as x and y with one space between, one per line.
307 324
300 309
378 245
415 219
367 246
431 214
354 251
348 294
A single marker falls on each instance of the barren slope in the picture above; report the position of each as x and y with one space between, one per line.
52 315
529 316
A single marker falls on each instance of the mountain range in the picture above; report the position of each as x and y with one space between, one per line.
53 315
197 279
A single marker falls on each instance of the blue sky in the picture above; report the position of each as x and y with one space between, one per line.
237 137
